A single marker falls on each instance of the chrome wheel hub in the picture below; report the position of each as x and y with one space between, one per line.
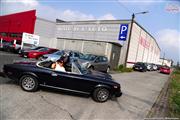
103 95
28 83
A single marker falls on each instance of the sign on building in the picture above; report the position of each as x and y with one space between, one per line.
123 32
30 39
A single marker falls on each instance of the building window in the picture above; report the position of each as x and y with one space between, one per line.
4 34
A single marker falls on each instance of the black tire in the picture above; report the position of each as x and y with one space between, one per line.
29 83
101 94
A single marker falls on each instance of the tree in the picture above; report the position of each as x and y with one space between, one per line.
178 65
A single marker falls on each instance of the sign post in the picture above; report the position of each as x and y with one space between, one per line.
1 43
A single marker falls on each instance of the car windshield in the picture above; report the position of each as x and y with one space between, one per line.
82 69
35 48
76 66
58 53
139 63
43 49
88 57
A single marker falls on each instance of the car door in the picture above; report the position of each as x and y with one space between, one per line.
47 76
72 81
96 64
104 63
101 64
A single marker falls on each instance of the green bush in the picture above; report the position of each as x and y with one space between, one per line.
121 68
174 94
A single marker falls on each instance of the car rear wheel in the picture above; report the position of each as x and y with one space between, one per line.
101 94
29 83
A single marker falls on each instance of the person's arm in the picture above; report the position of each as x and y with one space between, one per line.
53 66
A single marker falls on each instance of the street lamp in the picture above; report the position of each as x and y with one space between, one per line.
132 21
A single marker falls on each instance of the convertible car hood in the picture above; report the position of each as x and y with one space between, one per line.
26 62
100 75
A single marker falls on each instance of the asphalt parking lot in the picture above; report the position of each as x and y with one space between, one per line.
140 91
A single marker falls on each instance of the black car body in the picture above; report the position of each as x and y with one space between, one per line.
140 66
30 75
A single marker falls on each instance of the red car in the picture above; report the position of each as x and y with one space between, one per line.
38 53
165 69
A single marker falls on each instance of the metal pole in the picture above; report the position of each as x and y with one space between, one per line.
129 40
1 43
163 58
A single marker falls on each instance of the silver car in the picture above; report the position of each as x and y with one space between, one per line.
95 62
55 56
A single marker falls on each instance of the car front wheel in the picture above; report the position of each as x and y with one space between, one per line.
29 83
101 94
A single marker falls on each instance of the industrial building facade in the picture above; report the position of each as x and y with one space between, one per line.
100 37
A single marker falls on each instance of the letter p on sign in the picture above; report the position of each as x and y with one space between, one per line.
123 32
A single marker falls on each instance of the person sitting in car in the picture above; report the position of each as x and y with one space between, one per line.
58 65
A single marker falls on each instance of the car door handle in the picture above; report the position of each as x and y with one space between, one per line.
53 74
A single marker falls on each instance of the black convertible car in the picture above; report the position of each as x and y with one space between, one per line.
31 75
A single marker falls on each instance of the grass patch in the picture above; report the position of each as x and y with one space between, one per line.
174 95
121 68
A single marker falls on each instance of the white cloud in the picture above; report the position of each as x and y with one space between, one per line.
169 41
169 38
75 15
29 2
48 12
25 2
14 6
107 16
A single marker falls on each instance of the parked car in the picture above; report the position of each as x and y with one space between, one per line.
154 66
149 66
140 66
6 46
3 45
165 69
158 66
56 55
38 53
11 47
31 75
30 49
95 62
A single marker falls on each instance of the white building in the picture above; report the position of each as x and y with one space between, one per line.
166 62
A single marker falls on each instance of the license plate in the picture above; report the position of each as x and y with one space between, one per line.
136 68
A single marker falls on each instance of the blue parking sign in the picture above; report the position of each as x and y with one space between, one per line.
123 32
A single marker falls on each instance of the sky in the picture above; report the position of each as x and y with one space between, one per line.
162 20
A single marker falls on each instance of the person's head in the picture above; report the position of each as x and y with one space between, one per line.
60 62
